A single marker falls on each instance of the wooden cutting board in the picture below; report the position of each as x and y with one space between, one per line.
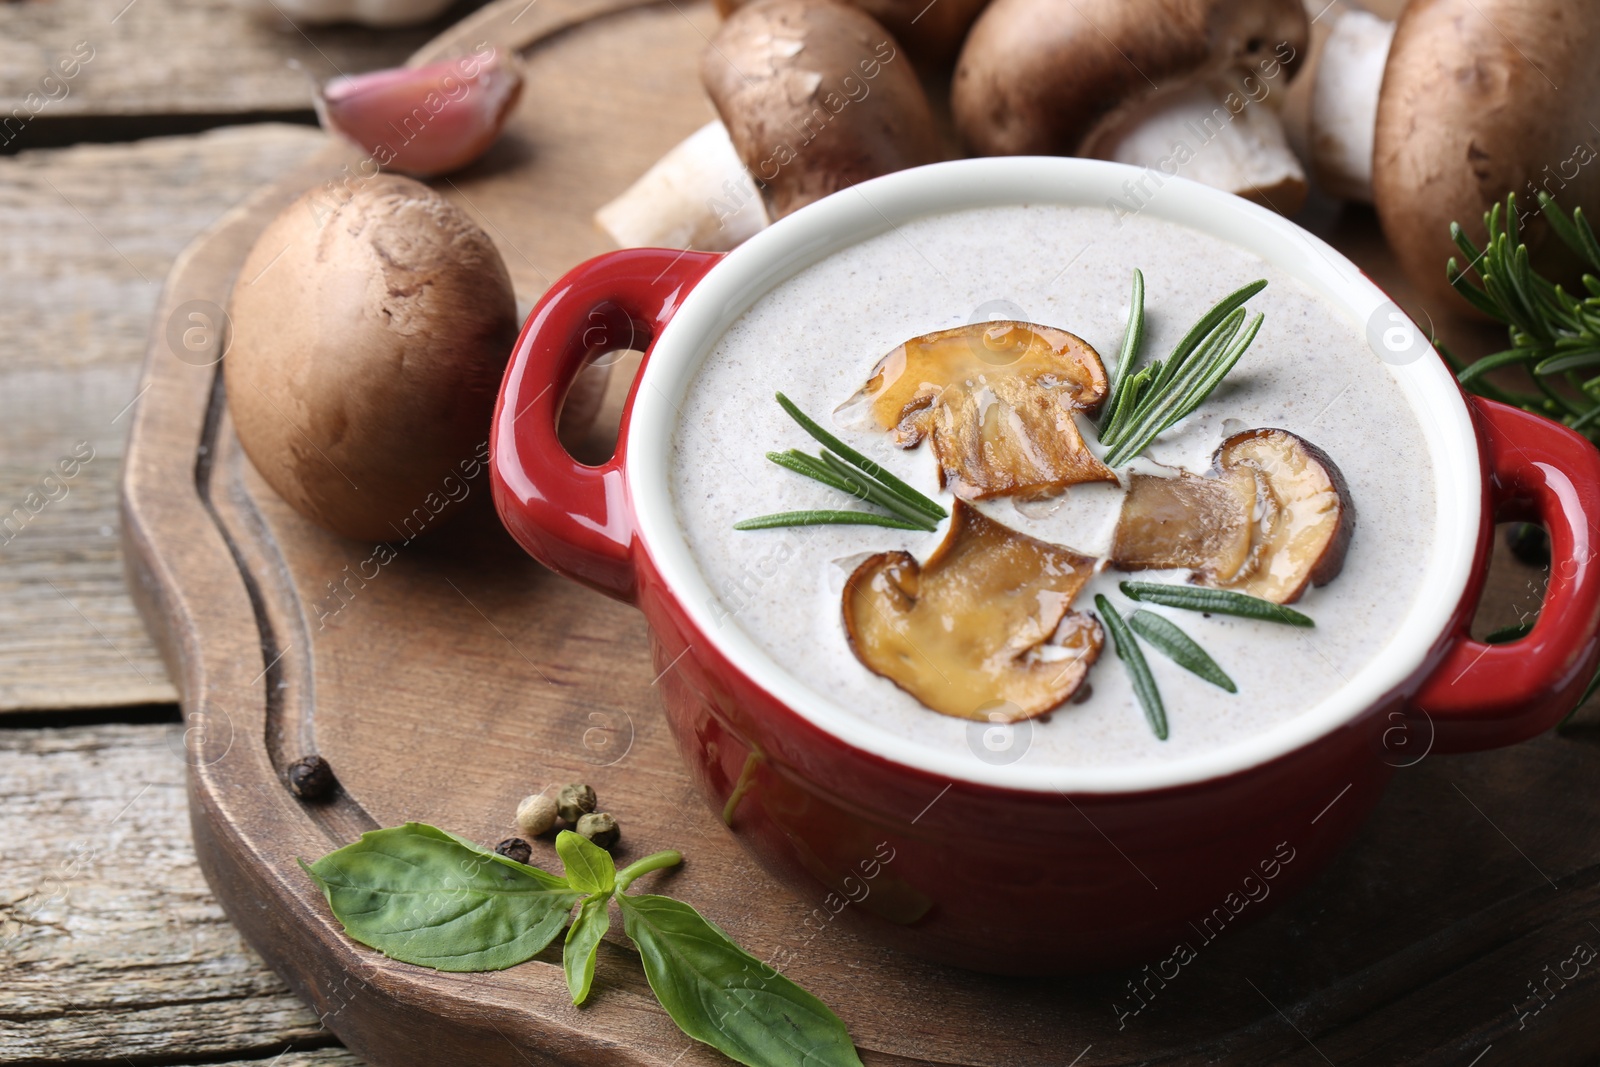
458 676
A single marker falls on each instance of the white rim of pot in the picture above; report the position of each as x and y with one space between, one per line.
856 214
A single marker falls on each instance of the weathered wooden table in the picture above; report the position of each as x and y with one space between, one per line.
111 947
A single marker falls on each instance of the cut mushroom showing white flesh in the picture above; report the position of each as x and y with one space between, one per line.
698 195
1344 102
1273 517
1041 77
1222 133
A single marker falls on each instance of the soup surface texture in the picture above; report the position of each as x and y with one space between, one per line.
817 336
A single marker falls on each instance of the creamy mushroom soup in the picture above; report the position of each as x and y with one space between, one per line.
818 336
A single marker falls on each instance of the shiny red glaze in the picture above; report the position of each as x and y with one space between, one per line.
1484 696
1018 881
574 518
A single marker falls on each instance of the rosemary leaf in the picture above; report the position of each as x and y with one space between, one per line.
1132 341
1179 647
1565 361
1148 401
1216 601
1144 683
825 518
873 470
1554 334
814 469
1211 319
1224 364
877 493
1494 362
1212 359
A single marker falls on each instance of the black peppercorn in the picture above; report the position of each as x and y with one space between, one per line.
310 778
600 828
574 802
515 848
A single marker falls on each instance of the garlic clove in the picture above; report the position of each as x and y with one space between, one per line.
423 121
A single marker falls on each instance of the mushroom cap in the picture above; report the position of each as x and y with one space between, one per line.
1274 515
1041 76
1482 98
984 629
369 339
816 96
932 33
997 400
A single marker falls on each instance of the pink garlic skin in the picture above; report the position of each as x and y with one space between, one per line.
424 121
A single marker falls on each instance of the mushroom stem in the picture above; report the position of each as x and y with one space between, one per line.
1344 102
1222 133
698 195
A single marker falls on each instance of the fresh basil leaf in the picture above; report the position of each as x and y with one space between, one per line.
424 896
588 866
720 994
583 944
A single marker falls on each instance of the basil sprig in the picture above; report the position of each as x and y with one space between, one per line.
424 896
421 895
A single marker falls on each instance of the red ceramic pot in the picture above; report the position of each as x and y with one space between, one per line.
1007 868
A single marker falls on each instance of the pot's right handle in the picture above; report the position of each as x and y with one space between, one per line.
1484 696
576 519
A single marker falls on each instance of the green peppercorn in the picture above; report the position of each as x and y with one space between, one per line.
515 848
600 828
574 802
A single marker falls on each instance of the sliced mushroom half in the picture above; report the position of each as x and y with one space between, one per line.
999 401
1274 515
983 630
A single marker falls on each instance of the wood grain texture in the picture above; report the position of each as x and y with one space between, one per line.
88 234
329 1057
111 944
179 57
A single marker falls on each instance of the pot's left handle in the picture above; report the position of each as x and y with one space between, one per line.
577 519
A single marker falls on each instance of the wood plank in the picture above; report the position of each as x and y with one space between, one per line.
178 57
111 944
80 271
329 1057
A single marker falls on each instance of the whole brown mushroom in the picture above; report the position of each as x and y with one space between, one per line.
1183 86
369 338
1482 98
816 96
931 32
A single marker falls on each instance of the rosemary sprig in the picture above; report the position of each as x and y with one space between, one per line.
820 518
1216 601
1179 647
1144 683
1145 402
854 474
1554 335
867 466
